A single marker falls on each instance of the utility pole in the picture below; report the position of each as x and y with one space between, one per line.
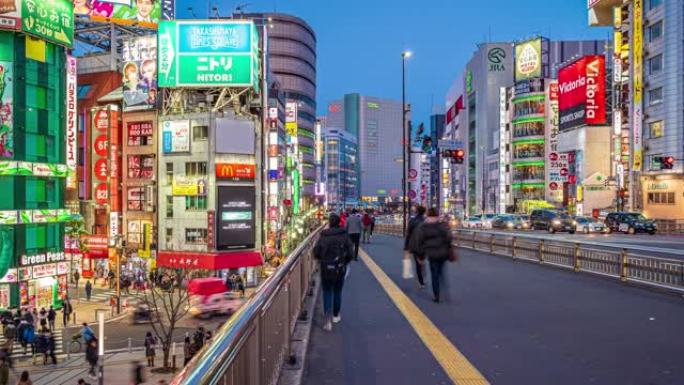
484 174
406 140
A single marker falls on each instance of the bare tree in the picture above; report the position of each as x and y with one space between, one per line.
168 304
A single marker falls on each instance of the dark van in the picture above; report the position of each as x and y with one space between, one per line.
630 223
552 221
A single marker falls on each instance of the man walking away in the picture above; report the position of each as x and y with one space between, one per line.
334 251
51 318
354 228
432 239
91 356
88 290
366 221
372 227
66 311
50 352
4 372
410 229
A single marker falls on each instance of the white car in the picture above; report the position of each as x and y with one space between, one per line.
487 220
590 225
472 223
219 303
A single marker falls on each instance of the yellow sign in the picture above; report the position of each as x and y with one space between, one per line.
638 60
580 193
35 49
291 128
145 252
188 187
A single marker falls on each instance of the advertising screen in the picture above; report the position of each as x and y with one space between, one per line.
52 20
528 60
10 14
145 13
176 136
235 218
211 53
140 73
582 92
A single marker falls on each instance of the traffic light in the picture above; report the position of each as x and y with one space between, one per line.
427 144
459 154
667 162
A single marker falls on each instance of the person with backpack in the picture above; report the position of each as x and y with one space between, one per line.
87 333
51 315
432 240
150 342
91 356
334 250
28 333
354 228
366 221
417 258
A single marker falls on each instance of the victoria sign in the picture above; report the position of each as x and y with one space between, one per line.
582 93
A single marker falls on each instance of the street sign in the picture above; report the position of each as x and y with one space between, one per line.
412 194
449 144
412 174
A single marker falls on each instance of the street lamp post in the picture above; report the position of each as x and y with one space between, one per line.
405 144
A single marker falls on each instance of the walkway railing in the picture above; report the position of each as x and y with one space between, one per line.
624 264
252 346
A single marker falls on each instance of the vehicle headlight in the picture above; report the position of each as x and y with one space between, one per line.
574 223
556 222
509 224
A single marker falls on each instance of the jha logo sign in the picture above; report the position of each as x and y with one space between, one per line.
496 57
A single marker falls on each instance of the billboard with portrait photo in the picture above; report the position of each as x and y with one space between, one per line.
139 73
145 13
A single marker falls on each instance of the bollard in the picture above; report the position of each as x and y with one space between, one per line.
625 266
541 251
491 243
173 362
130 345
74 318
474 235
577 257
513 244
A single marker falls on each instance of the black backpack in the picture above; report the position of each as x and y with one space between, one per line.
334 266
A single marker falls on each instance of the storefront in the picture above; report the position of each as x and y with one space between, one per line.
42 284
663 197
245 263
96 258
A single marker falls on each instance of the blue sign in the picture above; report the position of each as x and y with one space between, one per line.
221 37
273 174
168 141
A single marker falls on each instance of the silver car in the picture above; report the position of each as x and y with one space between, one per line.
590 225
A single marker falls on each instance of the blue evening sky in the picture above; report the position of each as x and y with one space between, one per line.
360 42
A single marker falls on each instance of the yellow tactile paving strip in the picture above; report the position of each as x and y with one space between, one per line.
454 363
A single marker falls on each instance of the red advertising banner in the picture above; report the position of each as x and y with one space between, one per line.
106 160
582 92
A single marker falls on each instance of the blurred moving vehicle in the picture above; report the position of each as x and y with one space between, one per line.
552 221
210 296
589 225
507 222
474 222
487 220
525 220
630 223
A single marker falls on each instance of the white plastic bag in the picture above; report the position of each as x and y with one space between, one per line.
407 272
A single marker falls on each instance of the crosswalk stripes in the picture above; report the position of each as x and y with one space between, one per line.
18 350
104 296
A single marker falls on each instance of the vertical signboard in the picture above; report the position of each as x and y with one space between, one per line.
211 53
114 160
528 60
6 106
235 222
582 87
139 73
637 85
71 119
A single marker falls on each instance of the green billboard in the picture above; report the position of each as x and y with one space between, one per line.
52 20
211 53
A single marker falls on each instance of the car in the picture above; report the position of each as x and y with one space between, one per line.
210 296
507 222
487 220
630 223
474 222
552 221
525 221
589 225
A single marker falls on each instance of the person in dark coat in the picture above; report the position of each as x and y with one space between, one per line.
410 229
50 348
51 316
334 250
432 239
88 290
91 356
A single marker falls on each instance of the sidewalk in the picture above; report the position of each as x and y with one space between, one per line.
117 370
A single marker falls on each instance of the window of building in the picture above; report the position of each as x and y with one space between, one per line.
169 206
198 203
196 236
654 3
200 132
196 169
656 129
141 166
169 174
136 198
661 198
169 238
139 133
83 91
655 64
655 96
655 31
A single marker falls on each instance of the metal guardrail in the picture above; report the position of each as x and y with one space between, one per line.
609 261
389 229
252 346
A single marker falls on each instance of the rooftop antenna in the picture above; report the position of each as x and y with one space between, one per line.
216 12
192 12
240 9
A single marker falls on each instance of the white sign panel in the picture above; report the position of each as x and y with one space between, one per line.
113 227
71 121
176 136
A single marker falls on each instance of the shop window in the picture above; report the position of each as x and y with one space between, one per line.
655 31
196 236
136 198
655 64
661 198
169 174
196 169
656 129
198 203
139 133
169 238
654 3
655 96
169 206
141 166
200 132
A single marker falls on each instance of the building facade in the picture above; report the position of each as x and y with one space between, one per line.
648 51
340 157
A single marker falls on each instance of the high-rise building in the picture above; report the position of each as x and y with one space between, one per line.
436 133
376 125
340 168
292 64
648 99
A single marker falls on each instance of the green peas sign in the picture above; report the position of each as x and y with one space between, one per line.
208 53
52 20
